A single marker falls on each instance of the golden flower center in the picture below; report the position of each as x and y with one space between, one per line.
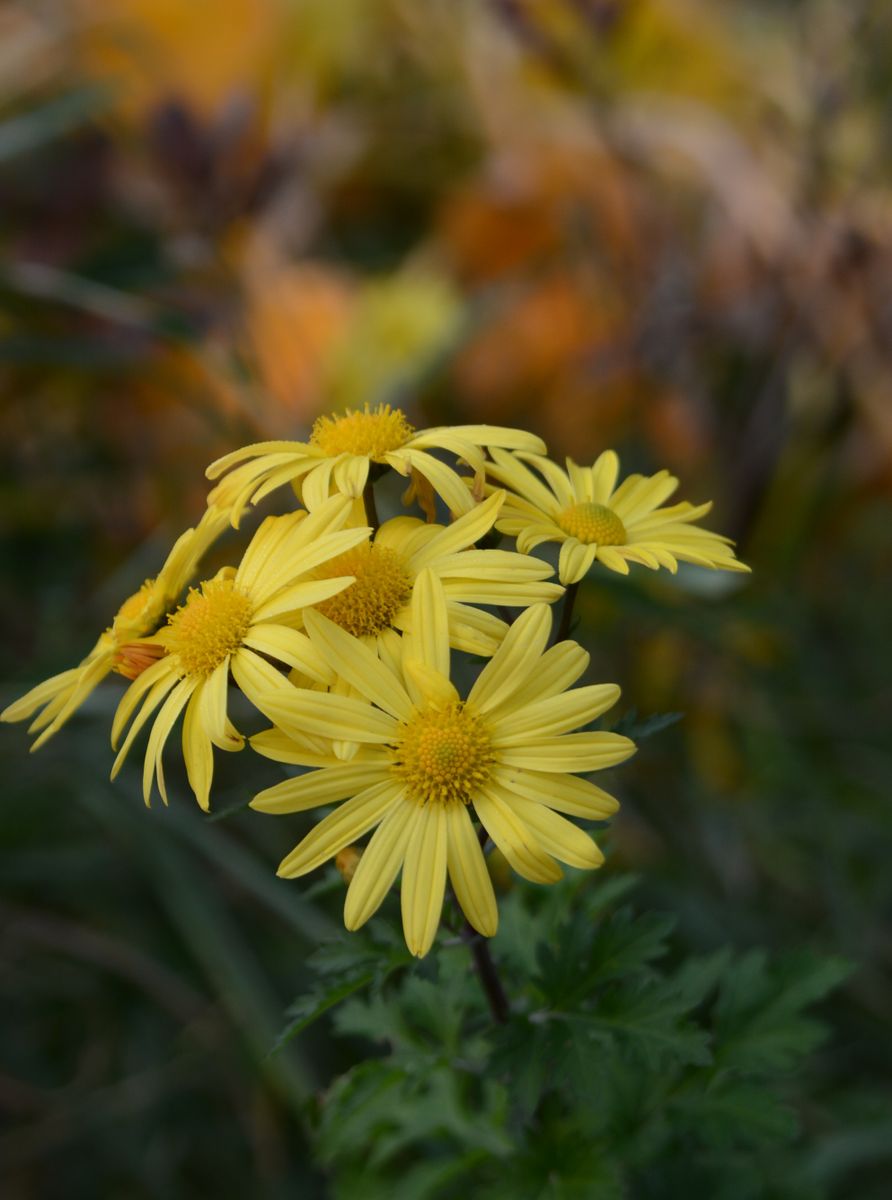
443 755
209 627
140 613
382 587
593 524
371 433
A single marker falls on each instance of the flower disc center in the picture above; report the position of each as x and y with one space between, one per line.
210 626
371 433
593 524
382 587
443 755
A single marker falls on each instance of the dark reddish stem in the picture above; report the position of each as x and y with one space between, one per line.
487 974
567 612
371 509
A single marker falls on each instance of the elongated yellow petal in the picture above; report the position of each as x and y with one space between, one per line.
164 722
197 752
445 482
580 481
513 838
351 474
424 880
461 534
89 680
557 836
501 566
329 785
613 558
380 863
131 698
322 714
429 640
292 647
257 678
22 708
156 694
212 699
516 475
564 793
308 752
255 450
604 476
430 688
359 666
569 752
484 435
467 870
301 595
575 560
514 661
557 669
346 824
556 714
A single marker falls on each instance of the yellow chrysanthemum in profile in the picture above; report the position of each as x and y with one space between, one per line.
340 453
140 614
592 518
377 604
235 623
427 760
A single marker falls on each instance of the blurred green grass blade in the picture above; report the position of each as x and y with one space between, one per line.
194 908
255 877
28 130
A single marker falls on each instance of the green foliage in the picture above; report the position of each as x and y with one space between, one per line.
620 1071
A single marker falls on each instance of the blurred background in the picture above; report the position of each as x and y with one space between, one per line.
659 225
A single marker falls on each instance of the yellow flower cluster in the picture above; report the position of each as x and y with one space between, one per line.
342 633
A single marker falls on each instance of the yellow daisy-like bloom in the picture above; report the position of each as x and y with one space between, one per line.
340 452
235 623
140 614
426 756
377 604
593 519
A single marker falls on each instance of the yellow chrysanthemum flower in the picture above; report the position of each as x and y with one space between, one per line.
235 623
592 518
140 614
377 604
426 756
340 453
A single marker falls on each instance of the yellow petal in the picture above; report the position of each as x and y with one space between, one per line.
514 839
359 666
515 659
557 669
424 880
461 534
467 870
164 722
556 835
604 475
569 752
380 863
316 788
556 714
346 824
565 793
299 711
292 647
430 623
197 752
